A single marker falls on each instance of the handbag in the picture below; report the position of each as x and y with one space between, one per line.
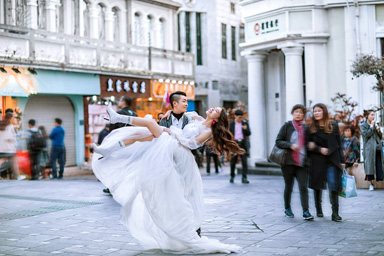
348 185
278 155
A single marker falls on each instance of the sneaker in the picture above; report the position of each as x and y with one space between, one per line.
289 213
232 180
244 181
307 215
220 170
371 187
21 177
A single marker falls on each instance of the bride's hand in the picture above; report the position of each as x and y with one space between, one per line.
166 115
167 130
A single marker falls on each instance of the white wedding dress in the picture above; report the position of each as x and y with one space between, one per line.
159 186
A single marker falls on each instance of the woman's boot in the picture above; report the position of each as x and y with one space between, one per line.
335 207
318 195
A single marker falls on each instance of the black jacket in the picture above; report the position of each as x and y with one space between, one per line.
283 140
246 133
168 122
319 162
125 111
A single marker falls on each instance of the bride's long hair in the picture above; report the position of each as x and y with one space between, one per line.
222 139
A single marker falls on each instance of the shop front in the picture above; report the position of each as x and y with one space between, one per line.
160 91
44 95
112 88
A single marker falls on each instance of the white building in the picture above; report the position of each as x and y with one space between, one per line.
212 31
57 54
300 51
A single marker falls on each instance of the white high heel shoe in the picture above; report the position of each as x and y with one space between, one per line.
115 117
106 151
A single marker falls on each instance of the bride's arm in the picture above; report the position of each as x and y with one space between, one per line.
202 137
194 116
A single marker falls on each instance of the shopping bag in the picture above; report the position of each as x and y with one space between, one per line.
348 185
23 162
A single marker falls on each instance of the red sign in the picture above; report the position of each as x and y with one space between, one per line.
257 29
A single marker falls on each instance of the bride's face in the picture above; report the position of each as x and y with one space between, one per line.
214 113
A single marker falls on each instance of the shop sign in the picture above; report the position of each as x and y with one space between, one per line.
161 88
120 86
17 83
265 27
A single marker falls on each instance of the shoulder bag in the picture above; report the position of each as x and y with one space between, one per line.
278 155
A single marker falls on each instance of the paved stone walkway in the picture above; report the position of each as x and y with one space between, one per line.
74 217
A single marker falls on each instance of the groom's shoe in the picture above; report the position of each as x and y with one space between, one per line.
114 117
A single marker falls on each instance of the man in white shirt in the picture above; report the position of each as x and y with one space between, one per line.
179 104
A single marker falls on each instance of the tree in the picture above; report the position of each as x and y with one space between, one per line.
370 65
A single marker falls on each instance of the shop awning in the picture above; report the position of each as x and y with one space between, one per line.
57 82
16 82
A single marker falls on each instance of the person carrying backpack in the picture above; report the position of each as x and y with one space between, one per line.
36 142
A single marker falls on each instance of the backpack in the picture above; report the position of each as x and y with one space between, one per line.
37 141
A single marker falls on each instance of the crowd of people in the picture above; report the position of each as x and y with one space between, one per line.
36 139
318 152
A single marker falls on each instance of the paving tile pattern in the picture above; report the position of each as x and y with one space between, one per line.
74 217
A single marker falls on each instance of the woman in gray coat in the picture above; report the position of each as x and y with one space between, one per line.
372 148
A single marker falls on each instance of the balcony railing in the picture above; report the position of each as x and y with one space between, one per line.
39 48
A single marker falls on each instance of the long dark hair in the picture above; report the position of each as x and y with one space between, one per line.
327 121
222 138
43 131
5 122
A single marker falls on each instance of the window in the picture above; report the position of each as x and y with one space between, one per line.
215 85
187 32
60 17
223 41
137 32
233 8
199 57
116 24
233 42
41 14
84 18
242 33
101 21
162 33
178 33
150 30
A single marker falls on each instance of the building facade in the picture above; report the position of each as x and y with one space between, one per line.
58 57
301 51
212 30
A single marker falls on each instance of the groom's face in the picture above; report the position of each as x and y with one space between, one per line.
181 105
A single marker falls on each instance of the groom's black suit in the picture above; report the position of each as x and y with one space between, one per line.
168 122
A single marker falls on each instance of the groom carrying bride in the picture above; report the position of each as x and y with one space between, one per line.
179 104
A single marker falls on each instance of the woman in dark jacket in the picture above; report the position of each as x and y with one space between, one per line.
327 159
292 137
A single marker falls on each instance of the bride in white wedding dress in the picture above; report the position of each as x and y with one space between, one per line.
152 173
